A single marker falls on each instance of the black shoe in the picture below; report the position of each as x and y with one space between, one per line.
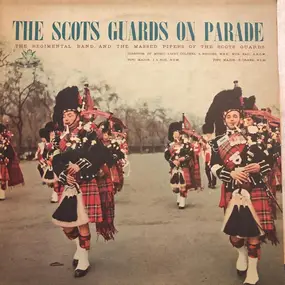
250 283
74 263
80 273
241 272
181 208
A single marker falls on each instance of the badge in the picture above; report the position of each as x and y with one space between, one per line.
222 140
236 158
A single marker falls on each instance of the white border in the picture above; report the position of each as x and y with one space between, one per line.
281 56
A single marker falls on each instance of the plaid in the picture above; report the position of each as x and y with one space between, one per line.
197 174
118 186
15 173
187 177
261 204
115 174
226 151
4 175
91 200
274 179
106 226
58 188
223 198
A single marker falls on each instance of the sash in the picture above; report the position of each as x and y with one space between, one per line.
230 149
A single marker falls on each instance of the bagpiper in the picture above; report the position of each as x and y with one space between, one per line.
268 140
206 154
10 171
242 167
81 164
44 156
179 153
116 170
40 153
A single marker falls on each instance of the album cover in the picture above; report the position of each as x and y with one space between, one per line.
140 143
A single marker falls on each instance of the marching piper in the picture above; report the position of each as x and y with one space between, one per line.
10 171
81 165
179 154
242 166
116 170
206 153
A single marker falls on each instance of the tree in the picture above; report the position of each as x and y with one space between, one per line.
37 112
22 87
103 94
4 54
155 126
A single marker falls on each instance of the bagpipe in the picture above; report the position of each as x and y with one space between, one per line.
272 121
91 113
187 128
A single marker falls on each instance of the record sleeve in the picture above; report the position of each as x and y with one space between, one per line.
164 113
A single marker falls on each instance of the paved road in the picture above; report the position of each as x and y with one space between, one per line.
157 244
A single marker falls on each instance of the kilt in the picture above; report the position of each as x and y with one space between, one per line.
90 196
15 173
91 200
263 209
261 204
187 177
105 226
4 175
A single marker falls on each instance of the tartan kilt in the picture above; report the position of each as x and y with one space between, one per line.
187 176
262 207
91 200
105 226
4 175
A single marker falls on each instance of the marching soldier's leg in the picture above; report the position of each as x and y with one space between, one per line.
253 247
242 261
82 251
182 201
2 195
